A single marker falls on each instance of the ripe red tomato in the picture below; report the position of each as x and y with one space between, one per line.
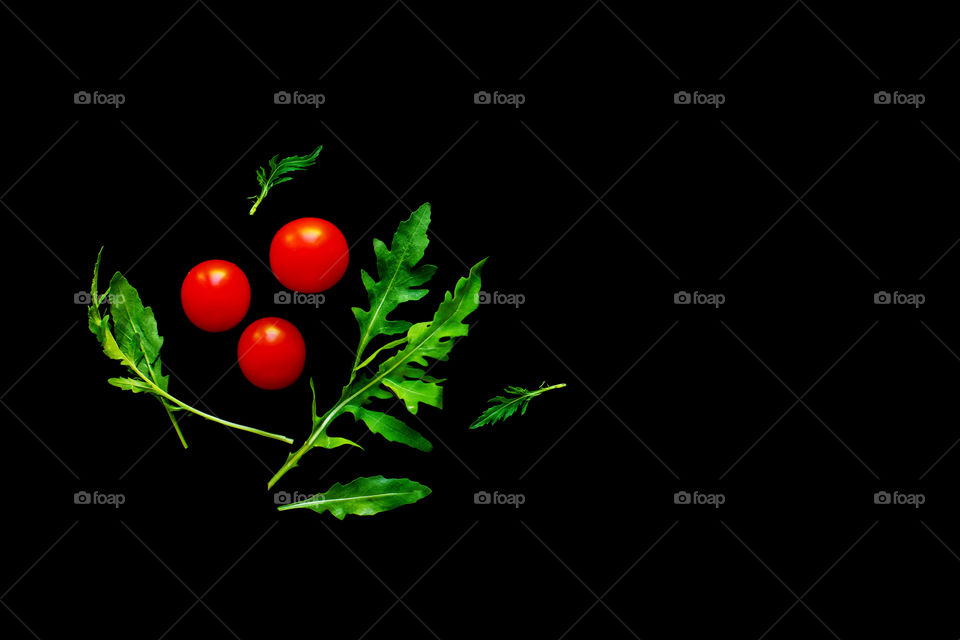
271 353
309 255
215 295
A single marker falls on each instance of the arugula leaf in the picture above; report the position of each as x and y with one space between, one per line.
399 278
400 373
137 342
133 339
391 428
268 178
503 407
363 497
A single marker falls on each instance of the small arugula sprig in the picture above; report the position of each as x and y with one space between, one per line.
402 367
129 334
276 176
503 407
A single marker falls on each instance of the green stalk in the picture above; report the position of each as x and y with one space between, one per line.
333 413
555 386
256 203
160 392
263 192
173 420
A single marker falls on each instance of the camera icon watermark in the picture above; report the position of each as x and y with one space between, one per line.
714 500
897 498
295 297
897 98
297 98
109 99
512 99
699 298
707 99
86 298
114 500
899 298
496 297
287 497
512 499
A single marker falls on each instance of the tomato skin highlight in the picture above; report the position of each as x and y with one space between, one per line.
271 353
215 295
309 255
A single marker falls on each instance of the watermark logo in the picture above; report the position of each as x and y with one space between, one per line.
110 99
287 497
699 298
897 498
86 298
295 297
899 298
112 499
907 99
496 297
697 498
310 99
512 99
513 499
707 99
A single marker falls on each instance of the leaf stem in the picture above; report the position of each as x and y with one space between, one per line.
256 203
160 392
226 423
156 383
337 410
176 425
294 458
556 386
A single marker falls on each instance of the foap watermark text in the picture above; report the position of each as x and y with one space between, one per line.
295 297
699 98
698 498
897 98
512 499
699 298
497 297
496 97
289 497
85 297
110 499
899 298
298 98
899 498
97 98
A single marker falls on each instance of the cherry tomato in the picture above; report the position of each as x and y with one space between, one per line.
271 353
215 295
309 255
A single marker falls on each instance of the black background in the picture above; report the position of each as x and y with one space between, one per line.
597 200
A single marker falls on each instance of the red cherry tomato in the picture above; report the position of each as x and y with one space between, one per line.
215 295
309 255
271 353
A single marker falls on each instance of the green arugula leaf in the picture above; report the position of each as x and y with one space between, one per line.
391 428
135 330
363 497
400 278
129 334
502 407
400 373
131 384
275 174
